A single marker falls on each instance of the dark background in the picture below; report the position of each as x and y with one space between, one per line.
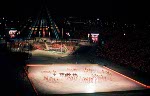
127 10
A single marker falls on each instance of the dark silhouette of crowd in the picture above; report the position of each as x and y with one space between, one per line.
127 48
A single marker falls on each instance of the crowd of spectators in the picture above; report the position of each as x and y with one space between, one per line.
130 49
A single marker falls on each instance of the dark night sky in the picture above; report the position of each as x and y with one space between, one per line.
131 10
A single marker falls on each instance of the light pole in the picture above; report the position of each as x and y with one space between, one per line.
62 32
61 40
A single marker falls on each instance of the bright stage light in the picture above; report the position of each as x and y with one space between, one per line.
90 88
